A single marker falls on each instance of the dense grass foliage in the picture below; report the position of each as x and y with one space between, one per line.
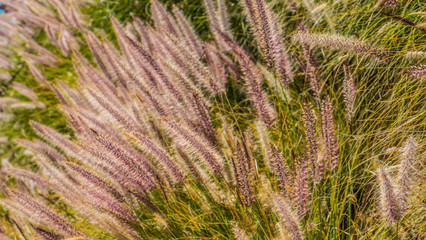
276 120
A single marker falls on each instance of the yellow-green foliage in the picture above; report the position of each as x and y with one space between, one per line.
235 132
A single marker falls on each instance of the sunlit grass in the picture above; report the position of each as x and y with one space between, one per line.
389 107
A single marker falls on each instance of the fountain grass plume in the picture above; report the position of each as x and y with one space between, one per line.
390 207
339 42
169 130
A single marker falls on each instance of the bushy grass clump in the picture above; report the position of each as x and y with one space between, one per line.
249 120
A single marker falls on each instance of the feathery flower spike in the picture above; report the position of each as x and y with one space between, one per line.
287 217
349 93
254 79
301 187
268 33
329 135
189 138
391 210
280 168
406 171
312 141
339 42
240 163
417 71
238 233
162 156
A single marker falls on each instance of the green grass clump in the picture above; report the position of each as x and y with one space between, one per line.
261 158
